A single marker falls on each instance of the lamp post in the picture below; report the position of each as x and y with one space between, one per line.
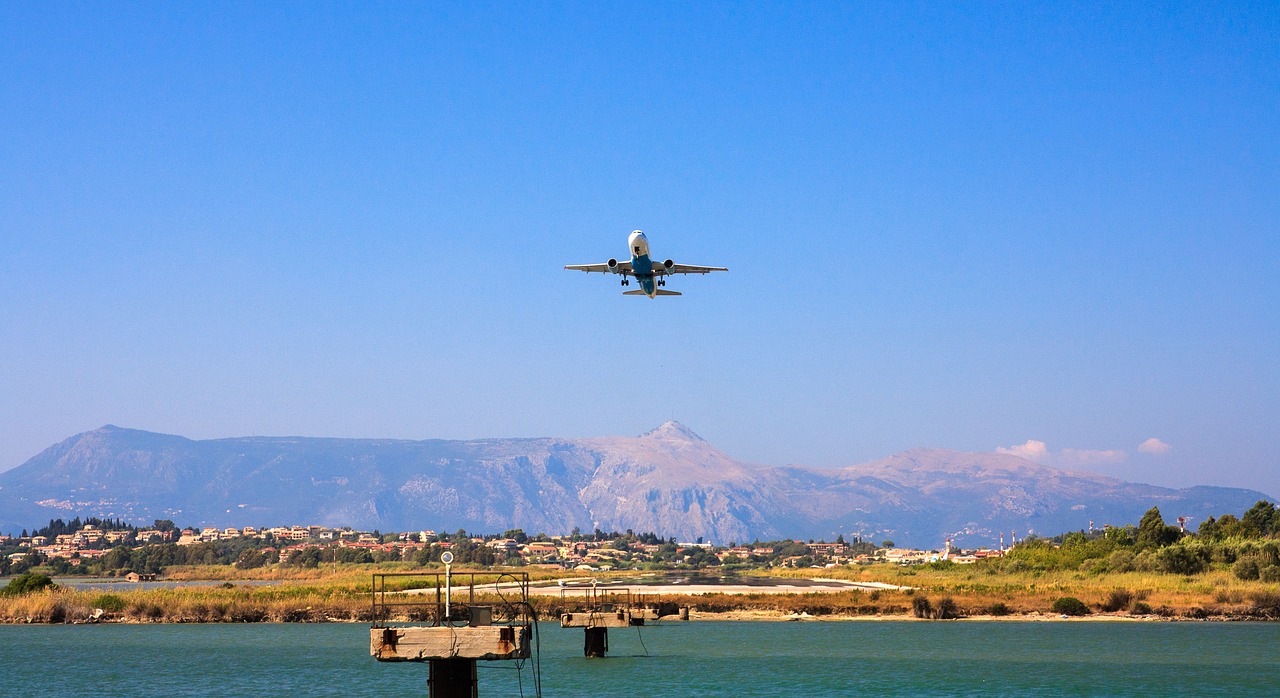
447 559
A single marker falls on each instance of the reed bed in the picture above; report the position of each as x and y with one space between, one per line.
321 595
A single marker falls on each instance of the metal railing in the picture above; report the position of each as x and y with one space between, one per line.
451 598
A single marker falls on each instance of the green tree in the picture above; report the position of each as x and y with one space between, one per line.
516 534
1120 535
27 583
1075 539
1152 531
1262 519
251 559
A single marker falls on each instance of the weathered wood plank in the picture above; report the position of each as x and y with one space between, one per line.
420 644
612 619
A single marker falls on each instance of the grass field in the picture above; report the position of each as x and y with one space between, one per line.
344 594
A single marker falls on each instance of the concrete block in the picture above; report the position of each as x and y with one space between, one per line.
612 619
420 644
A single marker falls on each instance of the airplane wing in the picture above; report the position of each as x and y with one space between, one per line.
620 268
686 269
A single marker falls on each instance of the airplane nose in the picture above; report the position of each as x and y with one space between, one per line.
637 242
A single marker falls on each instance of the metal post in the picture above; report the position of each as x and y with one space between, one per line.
452 678
596 642
447 559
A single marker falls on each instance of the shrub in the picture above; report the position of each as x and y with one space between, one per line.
1118 600
1121 561
1228 597
946 609
109 603
921 608
998 608
1180 559
1144 561
1246 568
1271 553
1223 553
1070 606
1266 603
27 583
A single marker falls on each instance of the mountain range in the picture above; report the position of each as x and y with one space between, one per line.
669 481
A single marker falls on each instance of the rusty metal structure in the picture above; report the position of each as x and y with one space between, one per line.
605 608
452 619
420 598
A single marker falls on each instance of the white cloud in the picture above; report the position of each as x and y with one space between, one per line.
1038 451
1083 456
1154 446
1034 450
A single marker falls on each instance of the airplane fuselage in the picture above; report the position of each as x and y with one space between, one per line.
641 265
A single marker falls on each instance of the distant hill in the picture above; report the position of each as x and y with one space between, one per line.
668 480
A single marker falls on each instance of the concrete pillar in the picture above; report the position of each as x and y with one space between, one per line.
596 642
452 678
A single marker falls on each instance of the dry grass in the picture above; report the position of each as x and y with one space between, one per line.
1214 593
320 594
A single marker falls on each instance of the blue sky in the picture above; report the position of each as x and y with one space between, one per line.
970 226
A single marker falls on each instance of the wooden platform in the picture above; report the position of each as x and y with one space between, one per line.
421 644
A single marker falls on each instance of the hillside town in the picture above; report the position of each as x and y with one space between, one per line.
79 543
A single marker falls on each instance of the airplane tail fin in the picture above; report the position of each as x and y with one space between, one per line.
660 292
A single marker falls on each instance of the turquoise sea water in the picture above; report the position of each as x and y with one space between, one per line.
685 659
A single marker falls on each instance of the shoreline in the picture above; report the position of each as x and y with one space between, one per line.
699 617
770 616
874 595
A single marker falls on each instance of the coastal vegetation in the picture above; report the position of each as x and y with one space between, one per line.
1226 570
936 592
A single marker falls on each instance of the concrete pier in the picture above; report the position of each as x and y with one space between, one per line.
418 644
597 619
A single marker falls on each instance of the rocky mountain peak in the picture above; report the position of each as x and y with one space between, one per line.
672 430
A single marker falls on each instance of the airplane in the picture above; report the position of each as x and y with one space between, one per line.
648 274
